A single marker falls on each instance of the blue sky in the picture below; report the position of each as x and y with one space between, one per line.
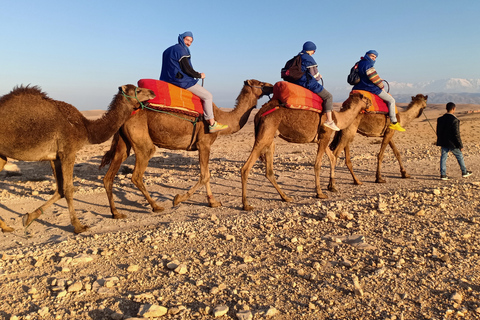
82 51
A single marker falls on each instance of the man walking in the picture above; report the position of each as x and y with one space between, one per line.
448 137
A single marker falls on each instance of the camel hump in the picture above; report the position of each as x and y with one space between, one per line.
27 90
297 97
169 95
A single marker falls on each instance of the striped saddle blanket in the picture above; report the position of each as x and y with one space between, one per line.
378 105
297 97
169 97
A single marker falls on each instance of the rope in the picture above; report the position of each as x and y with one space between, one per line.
429 122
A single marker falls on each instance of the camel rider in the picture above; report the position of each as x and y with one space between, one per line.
370 81
177 69
310 80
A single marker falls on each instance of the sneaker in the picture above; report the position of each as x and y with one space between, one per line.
217 127
331 125
467 174
444 177
396 126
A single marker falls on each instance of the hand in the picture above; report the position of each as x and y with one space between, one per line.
202 75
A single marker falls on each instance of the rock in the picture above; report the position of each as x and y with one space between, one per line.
244 315
133 268
181 269
75 287
172 265
219 311
271 312
152 311
116 316
82 258
457 297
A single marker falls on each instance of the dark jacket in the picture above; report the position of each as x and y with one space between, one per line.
176 67
366 71
448 132
307 80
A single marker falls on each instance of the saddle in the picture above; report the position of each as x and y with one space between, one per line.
297 97
171 98
378 105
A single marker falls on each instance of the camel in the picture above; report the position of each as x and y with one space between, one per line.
4 227
34 127
375 125
296 126
148 129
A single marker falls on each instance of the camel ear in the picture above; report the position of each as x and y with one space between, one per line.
122 89
426 97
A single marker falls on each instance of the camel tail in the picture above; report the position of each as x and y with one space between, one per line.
108 157
336 140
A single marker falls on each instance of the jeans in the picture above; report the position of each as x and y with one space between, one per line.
390 103
207 99
443 160
327 100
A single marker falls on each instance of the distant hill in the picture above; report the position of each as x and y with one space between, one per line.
464 91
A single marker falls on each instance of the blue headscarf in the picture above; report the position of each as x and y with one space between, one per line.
182 36
371 52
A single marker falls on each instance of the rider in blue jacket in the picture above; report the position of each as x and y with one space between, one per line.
177 69
310 80
370 81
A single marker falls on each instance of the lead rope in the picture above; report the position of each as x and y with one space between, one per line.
429 122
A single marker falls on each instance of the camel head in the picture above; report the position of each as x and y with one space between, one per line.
420 100
260 88
133 93
356 98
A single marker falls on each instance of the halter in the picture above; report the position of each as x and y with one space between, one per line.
136 98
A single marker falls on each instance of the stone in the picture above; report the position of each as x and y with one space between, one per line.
244 315
152 311
457 297
181 269
75 287
133 268
219 311
172 265
272 311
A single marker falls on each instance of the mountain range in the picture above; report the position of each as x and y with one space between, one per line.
461 91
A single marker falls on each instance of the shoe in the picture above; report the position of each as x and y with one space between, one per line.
217 127
331 125
396 126
444 177
467 174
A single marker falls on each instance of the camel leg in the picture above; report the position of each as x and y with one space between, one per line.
403 171
204 156
322 146
142 157
263 139
67 165
348 163
3 225
269 173
3 162
386 140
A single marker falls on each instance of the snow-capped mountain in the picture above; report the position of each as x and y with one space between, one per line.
439 91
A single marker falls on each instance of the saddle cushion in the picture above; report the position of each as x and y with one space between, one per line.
378 105
171 97
297 97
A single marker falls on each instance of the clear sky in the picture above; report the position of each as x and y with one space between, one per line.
82 51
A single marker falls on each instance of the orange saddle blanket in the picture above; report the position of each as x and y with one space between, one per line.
378 105
297 97
169 96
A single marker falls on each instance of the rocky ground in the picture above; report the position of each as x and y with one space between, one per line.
407 249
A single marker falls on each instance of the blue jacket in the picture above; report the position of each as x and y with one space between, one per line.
307 80
171 71
365 83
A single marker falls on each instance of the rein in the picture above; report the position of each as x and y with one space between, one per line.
136 98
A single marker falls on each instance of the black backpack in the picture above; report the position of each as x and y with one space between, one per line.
293 69
353 78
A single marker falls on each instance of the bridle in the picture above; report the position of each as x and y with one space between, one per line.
136 98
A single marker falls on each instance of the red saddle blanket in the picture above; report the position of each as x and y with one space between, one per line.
297 97
378 105
169 96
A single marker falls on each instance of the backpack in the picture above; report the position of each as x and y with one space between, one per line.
293 69
353 78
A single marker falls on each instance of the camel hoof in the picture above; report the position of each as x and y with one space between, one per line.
177 200
248 207
405 176
357 183
26 219
80 229
322 196
332 189
287 199
158 209
380 180
119 216
215 204
7 229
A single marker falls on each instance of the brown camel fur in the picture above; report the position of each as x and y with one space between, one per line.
148 129
297 126
4 227
375 125
34 127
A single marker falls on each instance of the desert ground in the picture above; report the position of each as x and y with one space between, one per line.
406 249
